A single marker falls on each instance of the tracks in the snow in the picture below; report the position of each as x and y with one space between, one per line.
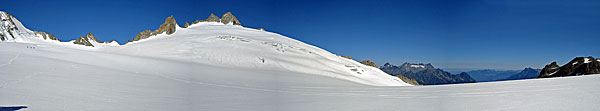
11 60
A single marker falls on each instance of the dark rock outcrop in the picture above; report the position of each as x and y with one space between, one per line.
369 63
577 66
426 74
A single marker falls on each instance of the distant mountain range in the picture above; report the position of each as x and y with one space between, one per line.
426 74
527 73
488 75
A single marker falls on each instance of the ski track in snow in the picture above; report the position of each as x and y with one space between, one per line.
11 60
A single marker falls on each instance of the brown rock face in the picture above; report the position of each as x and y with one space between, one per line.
347 57
51 36
213 18
408 80
228 17
46 35
369 63
83 41
168 27
91 36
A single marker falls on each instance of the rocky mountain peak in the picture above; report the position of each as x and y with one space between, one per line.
213 18
387 65
168 26
83 41
91 36
229 18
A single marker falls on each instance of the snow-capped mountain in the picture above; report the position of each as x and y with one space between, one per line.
12 30
218 42
577 66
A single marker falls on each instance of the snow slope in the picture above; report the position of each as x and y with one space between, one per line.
211 66
50 78
238 47
233 46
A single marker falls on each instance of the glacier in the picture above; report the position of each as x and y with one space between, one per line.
215 66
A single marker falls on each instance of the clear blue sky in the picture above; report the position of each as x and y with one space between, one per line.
496 34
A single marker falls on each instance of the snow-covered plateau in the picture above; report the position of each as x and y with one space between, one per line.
212 66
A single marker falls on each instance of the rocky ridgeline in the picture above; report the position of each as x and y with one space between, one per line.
577 66
10 29
46 35
170 25
88 39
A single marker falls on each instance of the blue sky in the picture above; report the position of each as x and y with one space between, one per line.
463 34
